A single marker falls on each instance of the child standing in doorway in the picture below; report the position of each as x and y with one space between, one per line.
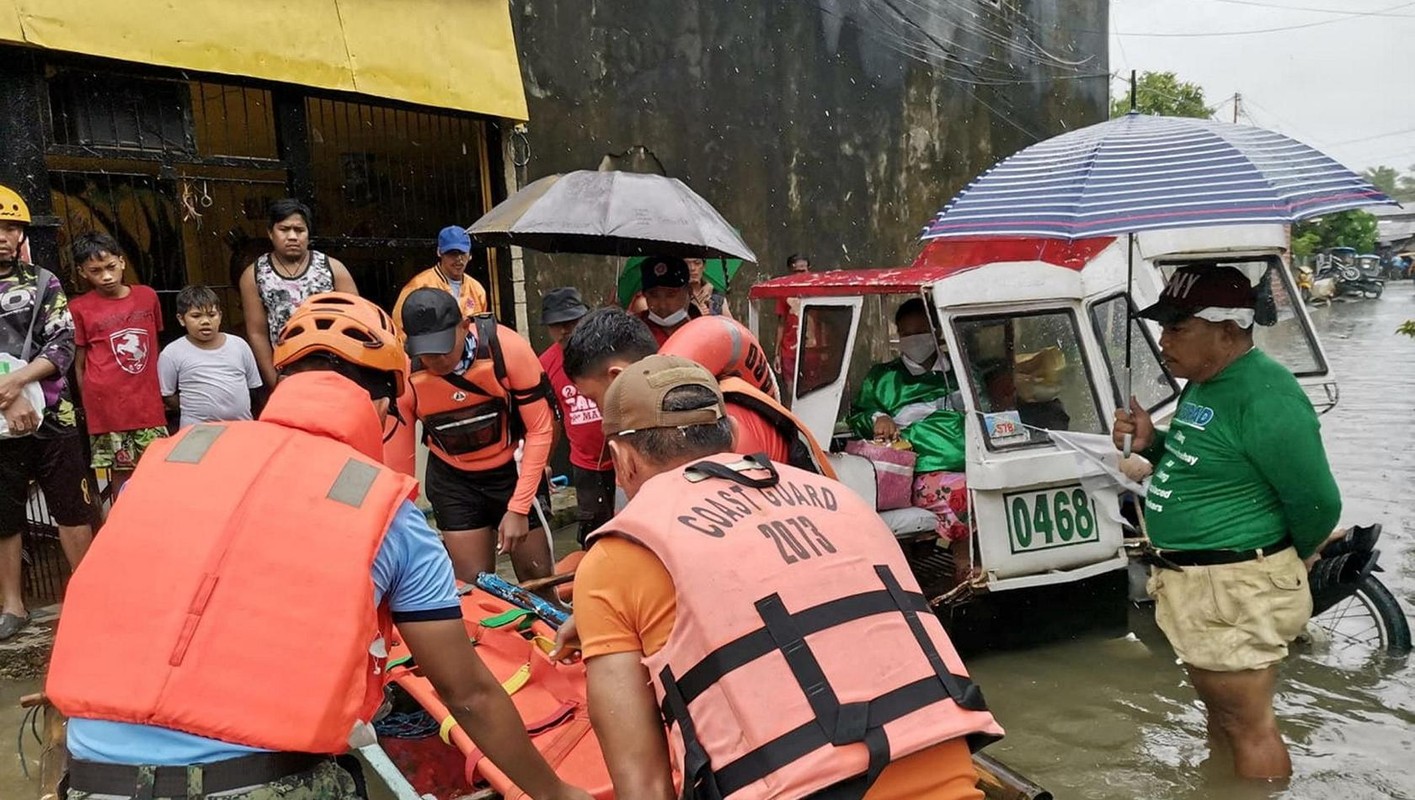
115 334
208 375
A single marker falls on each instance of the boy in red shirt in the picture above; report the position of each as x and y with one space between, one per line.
115 334
561 310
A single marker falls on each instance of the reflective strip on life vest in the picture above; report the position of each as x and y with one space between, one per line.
193 446
352 484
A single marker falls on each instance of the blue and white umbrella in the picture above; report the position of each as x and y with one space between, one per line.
1142 173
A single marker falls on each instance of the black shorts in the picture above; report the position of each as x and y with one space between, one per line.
594 495
57 464
466 501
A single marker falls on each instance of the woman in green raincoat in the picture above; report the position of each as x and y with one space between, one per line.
916 397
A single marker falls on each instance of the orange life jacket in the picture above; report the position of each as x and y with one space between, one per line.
798 577
231 537
803 450
726 348
473 420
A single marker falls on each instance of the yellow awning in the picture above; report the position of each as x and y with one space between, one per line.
457 54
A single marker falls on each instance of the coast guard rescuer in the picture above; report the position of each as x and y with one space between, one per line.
227 634
799 577
1240 496
480 390
608 340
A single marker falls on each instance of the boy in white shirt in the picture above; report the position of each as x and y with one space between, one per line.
209 375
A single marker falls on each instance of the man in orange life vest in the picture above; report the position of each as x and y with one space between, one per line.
608 340
235 543
716 547
480 391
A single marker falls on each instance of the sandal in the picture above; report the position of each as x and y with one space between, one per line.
11 624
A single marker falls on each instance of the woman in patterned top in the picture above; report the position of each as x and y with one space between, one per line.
279 281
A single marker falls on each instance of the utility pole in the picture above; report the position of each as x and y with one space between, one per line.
1237 99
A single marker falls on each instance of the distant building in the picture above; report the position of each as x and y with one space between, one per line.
1395 228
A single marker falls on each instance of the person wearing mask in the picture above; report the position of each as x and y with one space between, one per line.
704 296
666 292
916 398
1241 495
454 249
710 551
41 441
279 281
561 310
288 527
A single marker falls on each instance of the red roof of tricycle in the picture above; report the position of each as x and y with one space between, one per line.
940 259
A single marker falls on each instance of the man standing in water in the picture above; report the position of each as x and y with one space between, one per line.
1241 495
279 281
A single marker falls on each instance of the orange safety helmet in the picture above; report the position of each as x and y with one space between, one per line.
347 326
13 207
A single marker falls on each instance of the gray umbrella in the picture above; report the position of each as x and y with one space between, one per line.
612 214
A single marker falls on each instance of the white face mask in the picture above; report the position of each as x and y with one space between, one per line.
669 321
918 348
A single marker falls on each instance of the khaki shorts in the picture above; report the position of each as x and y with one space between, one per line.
1233 617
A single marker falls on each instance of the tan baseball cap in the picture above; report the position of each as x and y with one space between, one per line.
634 401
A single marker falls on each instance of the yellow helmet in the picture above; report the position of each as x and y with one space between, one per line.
12 206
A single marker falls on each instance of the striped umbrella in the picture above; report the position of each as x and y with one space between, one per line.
1141 173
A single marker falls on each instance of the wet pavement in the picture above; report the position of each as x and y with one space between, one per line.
1101 718
1116 718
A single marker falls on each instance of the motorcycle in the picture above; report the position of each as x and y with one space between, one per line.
1315 290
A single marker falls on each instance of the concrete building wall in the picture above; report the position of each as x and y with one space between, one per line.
833 127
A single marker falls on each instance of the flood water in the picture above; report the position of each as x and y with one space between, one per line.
1101 718
1116 718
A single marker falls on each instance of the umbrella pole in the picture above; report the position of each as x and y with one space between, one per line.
1129 328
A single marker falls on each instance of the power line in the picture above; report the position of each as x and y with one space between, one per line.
1373 138
1309 8
1349 16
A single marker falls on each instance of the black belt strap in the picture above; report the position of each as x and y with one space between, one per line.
174 782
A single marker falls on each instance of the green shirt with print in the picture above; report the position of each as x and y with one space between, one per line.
1242 465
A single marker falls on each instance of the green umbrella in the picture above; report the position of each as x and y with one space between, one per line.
717 271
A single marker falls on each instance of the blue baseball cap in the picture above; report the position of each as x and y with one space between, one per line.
453 237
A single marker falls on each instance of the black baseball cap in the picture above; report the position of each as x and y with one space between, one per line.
430 320
1193 289
562 304
664 271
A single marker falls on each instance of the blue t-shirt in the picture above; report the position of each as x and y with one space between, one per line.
456 288
411 569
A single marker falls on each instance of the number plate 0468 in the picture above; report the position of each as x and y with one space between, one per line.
1050 518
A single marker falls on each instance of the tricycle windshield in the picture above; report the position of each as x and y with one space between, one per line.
1150 383
1028 375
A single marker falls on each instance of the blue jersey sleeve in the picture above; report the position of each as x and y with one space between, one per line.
412 570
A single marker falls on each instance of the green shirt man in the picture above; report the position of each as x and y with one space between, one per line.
1242 465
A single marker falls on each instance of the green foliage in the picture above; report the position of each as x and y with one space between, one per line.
1408 328
1345 229
1165 94
1401 187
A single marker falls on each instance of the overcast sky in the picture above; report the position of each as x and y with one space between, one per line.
1336 74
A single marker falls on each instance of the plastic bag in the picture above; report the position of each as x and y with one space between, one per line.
894 472
31 392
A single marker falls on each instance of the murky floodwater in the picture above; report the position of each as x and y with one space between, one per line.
1101 719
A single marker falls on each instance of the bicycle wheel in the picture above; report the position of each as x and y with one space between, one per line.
1370 620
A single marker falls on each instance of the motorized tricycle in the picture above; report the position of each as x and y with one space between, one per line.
1046 525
